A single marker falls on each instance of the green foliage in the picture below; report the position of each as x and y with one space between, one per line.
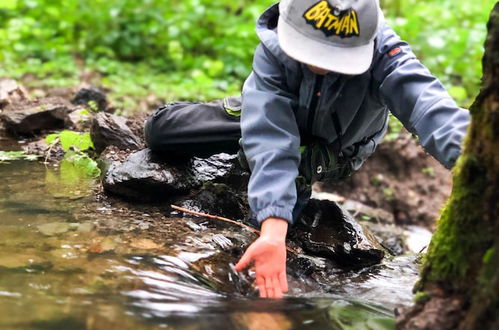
421 297
75 144
193 47
394 129
429 171
487 257
447 36
6 156
70 139
201 49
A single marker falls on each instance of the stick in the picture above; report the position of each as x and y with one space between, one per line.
178 208
200 214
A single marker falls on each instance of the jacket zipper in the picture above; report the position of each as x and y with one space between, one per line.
314 103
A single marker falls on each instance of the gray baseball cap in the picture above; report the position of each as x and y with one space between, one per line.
336 35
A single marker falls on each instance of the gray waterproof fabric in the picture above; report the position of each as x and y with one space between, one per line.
351 113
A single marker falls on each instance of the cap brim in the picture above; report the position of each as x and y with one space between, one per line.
345 60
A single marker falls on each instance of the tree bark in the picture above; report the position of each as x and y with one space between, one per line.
459 285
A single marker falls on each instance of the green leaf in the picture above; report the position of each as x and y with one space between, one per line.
84 166
51 138
70 139
8 4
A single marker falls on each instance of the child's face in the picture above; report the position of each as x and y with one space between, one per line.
317 70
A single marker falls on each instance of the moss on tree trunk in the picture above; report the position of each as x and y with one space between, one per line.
460 276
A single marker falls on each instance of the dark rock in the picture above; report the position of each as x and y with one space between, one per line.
31 119
390 236
221 168
11 92
217 199
147 176
395 245
327 230
89 95
108 129
143 177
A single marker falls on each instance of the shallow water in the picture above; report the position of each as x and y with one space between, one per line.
60 270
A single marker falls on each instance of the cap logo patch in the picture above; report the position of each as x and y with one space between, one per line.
332 21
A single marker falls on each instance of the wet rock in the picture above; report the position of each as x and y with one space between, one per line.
108 129
221 168
143 177
378 214
31 119
391 237
327 230
146 176
11 92
217 199
91 96
395 245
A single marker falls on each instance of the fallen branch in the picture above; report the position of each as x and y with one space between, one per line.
216 217
178 208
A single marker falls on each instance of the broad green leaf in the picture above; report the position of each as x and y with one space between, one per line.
51 138
8 4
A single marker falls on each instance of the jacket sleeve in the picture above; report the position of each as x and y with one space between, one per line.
418 99
270 138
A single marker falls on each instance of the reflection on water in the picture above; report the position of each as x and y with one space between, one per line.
59 271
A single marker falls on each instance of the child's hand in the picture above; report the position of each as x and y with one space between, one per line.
268 253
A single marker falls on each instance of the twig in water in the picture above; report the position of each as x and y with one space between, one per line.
178 208
200 214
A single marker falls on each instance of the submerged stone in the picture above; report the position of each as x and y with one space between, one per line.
54 228
325 229
108 129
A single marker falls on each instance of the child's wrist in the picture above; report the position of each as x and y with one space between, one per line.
275 229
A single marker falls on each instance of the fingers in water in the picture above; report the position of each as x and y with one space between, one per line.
277 287
283 282
269 287
260 282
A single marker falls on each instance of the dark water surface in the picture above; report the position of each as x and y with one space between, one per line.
59 271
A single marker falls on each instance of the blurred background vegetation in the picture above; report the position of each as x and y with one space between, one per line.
150 51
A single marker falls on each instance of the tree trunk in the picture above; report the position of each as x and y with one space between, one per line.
459 286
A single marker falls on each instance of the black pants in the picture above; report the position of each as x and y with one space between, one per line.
195 129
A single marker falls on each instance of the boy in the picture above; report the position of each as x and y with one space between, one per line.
325 76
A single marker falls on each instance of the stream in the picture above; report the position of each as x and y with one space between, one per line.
71 260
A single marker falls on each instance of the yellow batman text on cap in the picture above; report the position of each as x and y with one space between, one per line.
332 21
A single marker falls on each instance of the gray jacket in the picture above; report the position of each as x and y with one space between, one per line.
352 112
